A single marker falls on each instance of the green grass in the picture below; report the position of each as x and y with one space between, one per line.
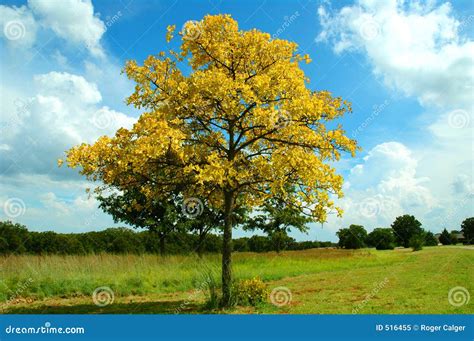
321 281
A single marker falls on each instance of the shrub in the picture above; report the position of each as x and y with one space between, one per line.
430 239
250 292
353 237
381 239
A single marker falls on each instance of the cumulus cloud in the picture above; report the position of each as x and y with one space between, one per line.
417 48
63 104
42 203
68 87
383 185
64 112
18 26
73 21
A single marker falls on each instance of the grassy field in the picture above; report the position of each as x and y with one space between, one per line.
321 281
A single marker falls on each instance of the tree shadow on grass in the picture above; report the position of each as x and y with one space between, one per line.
158 307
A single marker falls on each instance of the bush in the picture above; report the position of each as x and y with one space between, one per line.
381 239
417 241
352 238
430 239
250 292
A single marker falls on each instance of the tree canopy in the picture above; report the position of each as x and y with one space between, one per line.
353 237
381 239
467 228
276 219
404 227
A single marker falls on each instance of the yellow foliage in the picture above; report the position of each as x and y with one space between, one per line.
243 121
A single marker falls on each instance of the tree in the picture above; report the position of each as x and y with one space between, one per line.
417 241
276 219
15 236
467 228
353 237
132 207
259 244
234 129
430 239
405 227
445 238
381 239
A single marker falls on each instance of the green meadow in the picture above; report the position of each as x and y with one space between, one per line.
316 281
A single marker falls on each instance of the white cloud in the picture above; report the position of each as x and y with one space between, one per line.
42 203
416 48
64 112
63 104
72 20
391 181
385 184
18 26
68 87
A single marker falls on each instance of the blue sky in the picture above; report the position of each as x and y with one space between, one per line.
407 68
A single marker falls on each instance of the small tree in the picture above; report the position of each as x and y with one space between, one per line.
276 219
381 239
134 208
430 239
467 228
417 241
445 238
353 237
405 227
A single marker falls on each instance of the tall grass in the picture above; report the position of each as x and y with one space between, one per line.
68 276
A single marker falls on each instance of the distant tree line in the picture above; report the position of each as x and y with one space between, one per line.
17 239
405 231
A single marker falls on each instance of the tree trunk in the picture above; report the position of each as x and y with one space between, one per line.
162 244
227 250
